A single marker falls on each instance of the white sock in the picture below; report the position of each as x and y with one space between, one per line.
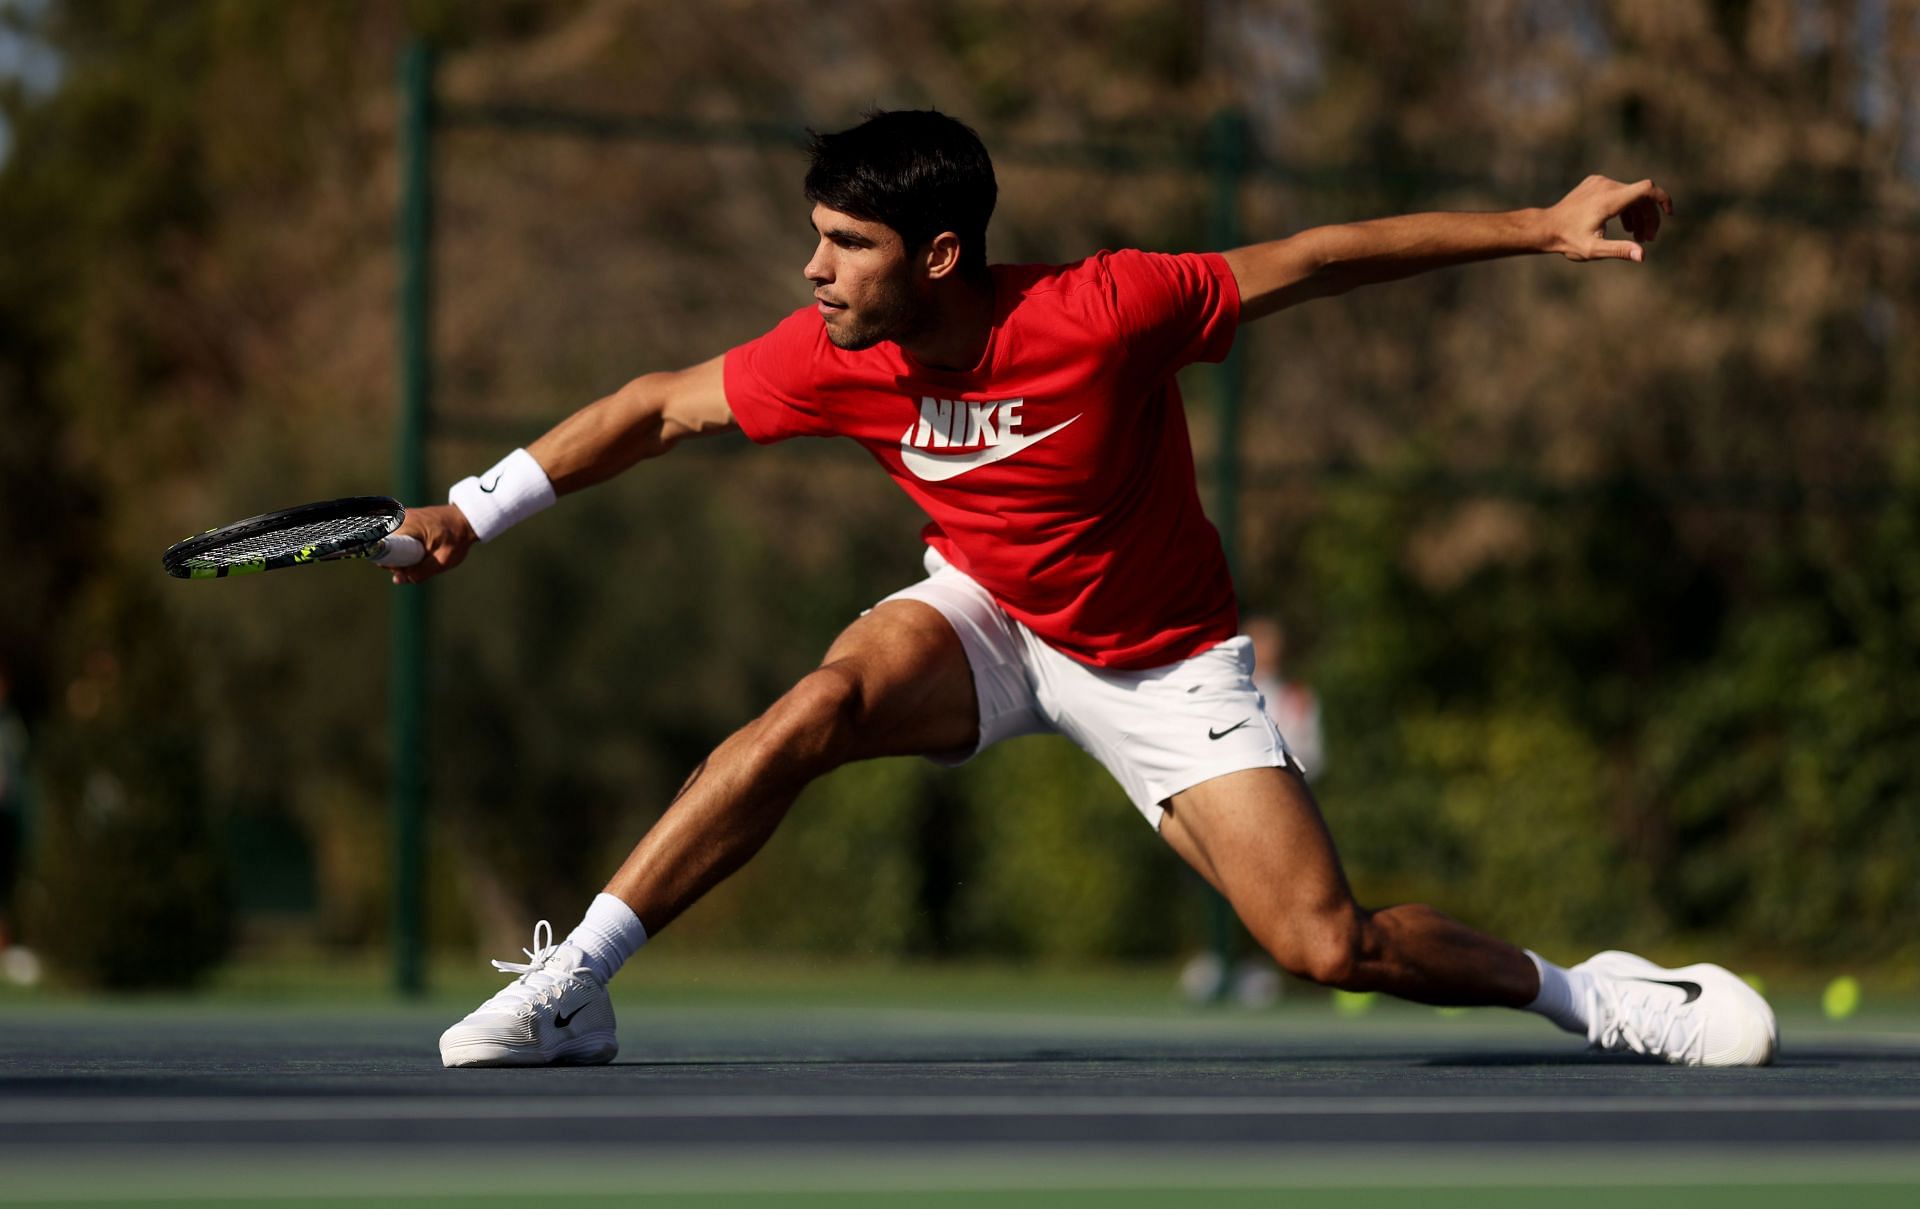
609 934
1563 994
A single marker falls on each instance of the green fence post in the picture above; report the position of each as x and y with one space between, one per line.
1227 164
407 672
1227 153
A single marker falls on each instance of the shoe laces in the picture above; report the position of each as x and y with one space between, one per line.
1625 1017
542 979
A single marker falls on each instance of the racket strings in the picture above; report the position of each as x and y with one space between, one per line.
335 533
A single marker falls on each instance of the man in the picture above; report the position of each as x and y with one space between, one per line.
1074 584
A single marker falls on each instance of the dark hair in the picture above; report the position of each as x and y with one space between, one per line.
916 170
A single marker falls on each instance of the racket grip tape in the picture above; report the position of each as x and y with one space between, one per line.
398 551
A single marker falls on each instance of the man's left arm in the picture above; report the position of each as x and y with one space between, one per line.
1324 261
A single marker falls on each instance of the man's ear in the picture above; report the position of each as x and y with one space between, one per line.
942 256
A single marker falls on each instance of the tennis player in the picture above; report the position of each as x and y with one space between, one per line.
1073 583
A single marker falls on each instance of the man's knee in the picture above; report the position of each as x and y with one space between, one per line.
1326 946
812 727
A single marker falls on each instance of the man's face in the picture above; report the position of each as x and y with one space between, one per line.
863 281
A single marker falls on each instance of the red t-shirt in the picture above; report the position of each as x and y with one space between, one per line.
1057 471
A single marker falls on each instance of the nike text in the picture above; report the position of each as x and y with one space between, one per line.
958 423
968 434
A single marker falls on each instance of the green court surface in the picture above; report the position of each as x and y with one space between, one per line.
748 1083
1466 1178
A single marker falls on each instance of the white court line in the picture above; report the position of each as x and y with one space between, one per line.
211 1173
82 1110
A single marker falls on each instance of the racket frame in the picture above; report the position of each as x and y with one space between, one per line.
371 545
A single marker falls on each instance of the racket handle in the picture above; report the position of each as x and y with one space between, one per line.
398 551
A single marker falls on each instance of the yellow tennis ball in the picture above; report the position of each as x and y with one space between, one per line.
1842 997
1353 1003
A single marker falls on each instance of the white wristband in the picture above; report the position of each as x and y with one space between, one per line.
504 496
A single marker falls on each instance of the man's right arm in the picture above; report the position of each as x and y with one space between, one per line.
643 419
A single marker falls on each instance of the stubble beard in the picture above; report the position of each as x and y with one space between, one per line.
893 318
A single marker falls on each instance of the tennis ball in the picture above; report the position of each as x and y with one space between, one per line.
1842 998
1353 1003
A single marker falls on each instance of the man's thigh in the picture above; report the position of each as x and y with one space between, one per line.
914 686
1258 837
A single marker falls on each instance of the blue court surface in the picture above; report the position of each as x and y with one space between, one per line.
754 1099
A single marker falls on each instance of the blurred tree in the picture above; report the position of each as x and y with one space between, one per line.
130 888
1560 630
1580 612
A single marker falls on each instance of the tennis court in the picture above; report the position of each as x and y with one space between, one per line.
1598 579
769 1097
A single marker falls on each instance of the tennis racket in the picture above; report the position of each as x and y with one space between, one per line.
357 527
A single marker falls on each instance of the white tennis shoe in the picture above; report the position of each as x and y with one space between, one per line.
1698 1015
557 1012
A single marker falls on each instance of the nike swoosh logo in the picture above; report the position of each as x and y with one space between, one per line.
491 490
1691 988
1213 734
563 1021
939 468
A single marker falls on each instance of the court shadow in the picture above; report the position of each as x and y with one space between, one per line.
1034 1058
1536 1058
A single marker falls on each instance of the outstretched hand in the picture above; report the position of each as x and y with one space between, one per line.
1577 223
444 531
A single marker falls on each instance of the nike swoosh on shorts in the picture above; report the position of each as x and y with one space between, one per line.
935 469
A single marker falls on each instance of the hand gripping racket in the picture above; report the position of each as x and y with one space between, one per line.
356 527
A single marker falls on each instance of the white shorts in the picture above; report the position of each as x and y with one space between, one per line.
1158 731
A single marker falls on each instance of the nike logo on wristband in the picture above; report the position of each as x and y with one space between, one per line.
496 484
944 423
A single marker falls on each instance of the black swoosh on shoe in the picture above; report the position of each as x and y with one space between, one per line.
1692 989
